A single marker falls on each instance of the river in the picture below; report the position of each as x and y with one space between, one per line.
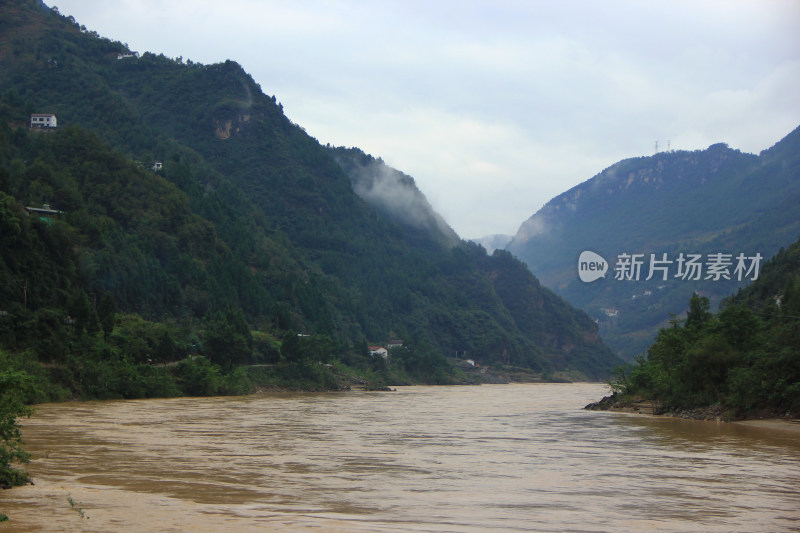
522 457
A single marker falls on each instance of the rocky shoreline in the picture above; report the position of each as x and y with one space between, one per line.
715 412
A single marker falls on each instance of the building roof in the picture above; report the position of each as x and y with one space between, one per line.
44 210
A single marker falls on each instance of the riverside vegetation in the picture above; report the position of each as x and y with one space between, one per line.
743 362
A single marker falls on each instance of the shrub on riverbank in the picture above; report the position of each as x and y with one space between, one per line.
14 387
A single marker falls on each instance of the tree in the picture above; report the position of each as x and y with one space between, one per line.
740 326
79 309
106 313
166 348
290 348
698 315
14 387
199 377
319 348
227 338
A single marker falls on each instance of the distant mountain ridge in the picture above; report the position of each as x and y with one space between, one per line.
717 200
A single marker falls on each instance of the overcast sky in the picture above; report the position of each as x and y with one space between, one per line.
496 106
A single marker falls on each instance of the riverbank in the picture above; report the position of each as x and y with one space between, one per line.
762 419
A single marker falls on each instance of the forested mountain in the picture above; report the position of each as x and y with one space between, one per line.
714 201
743 361
188 214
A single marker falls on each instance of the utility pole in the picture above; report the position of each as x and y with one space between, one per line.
656 146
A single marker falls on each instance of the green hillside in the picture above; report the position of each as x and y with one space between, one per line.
717 200
743 361
190 216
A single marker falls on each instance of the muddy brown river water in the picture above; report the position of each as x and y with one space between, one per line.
493 457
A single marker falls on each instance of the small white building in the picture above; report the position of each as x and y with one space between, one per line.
127 55
44 210
157 165
43 120
45 213
610 312
378 350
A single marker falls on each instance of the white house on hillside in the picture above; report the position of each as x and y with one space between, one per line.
379 350
43 120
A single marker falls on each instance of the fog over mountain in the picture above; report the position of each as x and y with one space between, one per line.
393 193
493 242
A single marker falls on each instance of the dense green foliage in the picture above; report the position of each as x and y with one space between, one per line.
745 358
13 388
717 200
